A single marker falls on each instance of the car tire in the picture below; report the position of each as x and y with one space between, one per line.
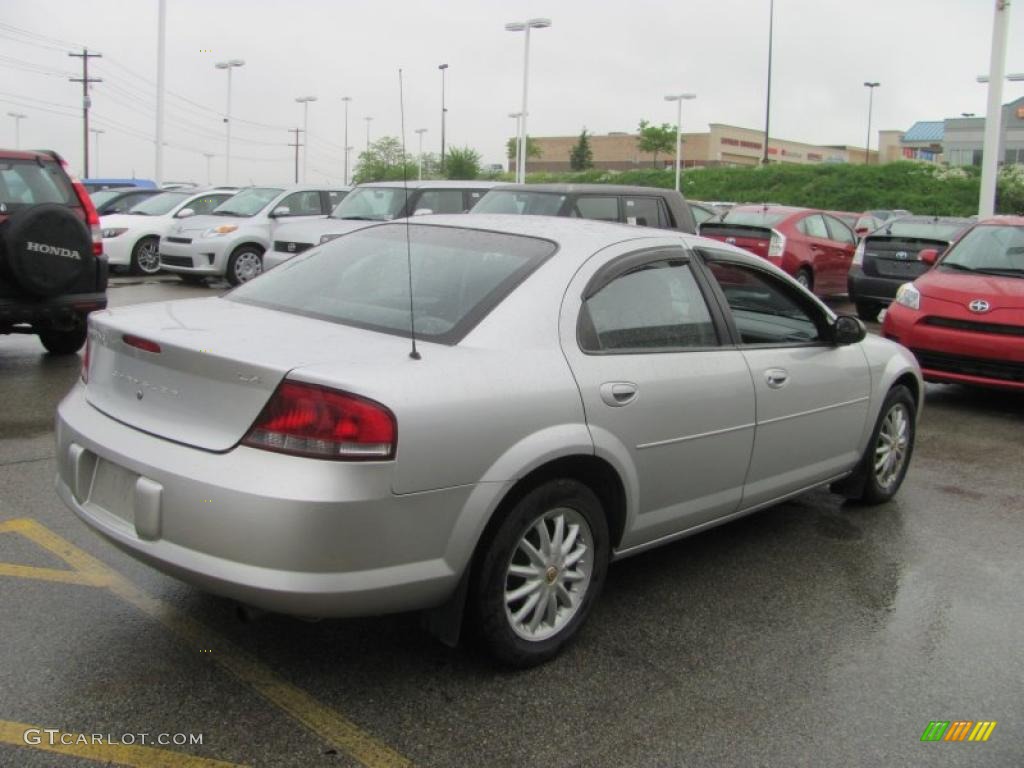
893 436
554 590
805 276
66 341
192 279
146 256
868 311
245 263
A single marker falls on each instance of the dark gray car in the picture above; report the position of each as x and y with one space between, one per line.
642 206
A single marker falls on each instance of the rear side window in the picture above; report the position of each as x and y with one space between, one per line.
645 212
362 279
838 231
813 226
334 196
517 202
657 306
597 207
302 203
441 201
26 182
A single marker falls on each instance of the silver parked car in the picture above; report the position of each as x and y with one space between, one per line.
576 392
230 241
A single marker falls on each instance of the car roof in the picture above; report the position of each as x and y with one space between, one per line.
26 154
1013 221
607 189
787 209
433 183
921 219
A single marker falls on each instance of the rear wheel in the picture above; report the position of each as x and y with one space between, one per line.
868 311
65 341
146 256
539 573
245 264
805 277
887 456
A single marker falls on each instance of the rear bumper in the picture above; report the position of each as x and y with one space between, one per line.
288 535
881 290
45 311
119 249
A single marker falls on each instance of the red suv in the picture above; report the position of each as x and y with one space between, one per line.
964 318
52 269
813 246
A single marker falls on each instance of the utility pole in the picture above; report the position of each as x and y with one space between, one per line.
85 80
444 112
297 144
161 48
994 111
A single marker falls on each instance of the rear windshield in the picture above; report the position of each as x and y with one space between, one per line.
511 201
934 230
157 205
754 218
26 182
248 202
362 279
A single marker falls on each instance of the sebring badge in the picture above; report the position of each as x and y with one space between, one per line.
978 305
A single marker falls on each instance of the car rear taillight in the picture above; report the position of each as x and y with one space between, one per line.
777 245
310 420
92 219
139 343
85 361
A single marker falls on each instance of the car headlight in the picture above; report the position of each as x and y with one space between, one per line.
909 296
328 238
113 232
223 229
858 255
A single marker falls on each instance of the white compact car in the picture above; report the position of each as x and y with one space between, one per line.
131 239
231 240
373 203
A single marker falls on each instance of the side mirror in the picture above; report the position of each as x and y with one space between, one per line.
422 212
848 330
929 256
184 213
281 210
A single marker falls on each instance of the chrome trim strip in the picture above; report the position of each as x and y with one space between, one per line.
814 410
673 440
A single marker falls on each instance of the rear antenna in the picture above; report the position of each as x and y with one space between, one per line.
408 241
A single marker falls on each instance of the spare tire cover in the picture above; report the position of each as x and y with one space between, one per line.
47 248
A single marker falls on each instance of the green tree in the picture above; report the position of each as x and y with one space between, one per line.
532 148
582 156
385 161
656 139
462 163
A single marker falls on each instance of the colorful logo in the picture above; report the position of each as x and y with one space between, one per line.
958 730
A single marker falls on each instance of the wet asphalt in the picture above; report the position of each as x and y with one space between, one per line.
816 633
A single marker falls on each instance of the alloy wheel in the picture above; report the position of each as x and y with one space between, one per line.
148 258
247 266
891 447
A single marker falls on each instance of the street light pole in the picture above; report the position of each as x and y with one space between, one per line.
18 117
346 99
304 101
420 131
228 65
871 94
96 150
368 121
768 95
525 26
519 147
161 47
994 112
678 98
444 112
208 156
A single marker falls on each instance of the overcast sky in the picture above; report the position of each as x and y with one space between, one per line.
603 64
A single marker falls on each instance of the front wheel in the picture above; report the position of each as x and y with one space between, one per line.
887 457
244 264
539 573
146 256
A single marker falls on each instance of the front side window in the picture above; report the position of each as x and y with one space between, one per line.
764 309
248 202
371 204
335 196
441 201
516 202
597 207
157 205
656 306
362 279
306 203
989 248
644 212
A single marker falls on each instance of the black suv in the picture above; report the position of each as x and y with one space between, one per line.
52 269
642 206
888 257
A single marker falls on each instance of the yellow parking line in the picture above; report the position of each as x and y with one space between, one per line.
119 754
343 734
51 574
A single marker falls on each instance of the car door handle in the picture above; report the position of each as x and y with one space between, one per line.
618 393
776 377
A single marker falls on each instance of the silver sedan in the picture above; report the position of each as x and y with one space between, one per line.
553 395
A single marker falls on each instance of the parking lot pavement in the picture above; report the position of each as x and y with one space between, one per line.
814 633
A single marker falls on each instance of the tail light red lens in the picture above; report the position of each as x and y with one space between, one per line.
139 343
309 420
85 361
92 219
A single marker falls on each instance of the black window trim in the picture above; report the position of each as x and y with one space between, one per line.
628 262
853 235
659 203
821 318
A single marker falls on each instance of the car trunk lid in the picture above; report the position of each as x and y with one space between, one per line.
751 238
200 371
898 257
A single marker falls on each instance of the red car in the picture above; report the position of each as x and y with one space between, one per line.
964 318
813 246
